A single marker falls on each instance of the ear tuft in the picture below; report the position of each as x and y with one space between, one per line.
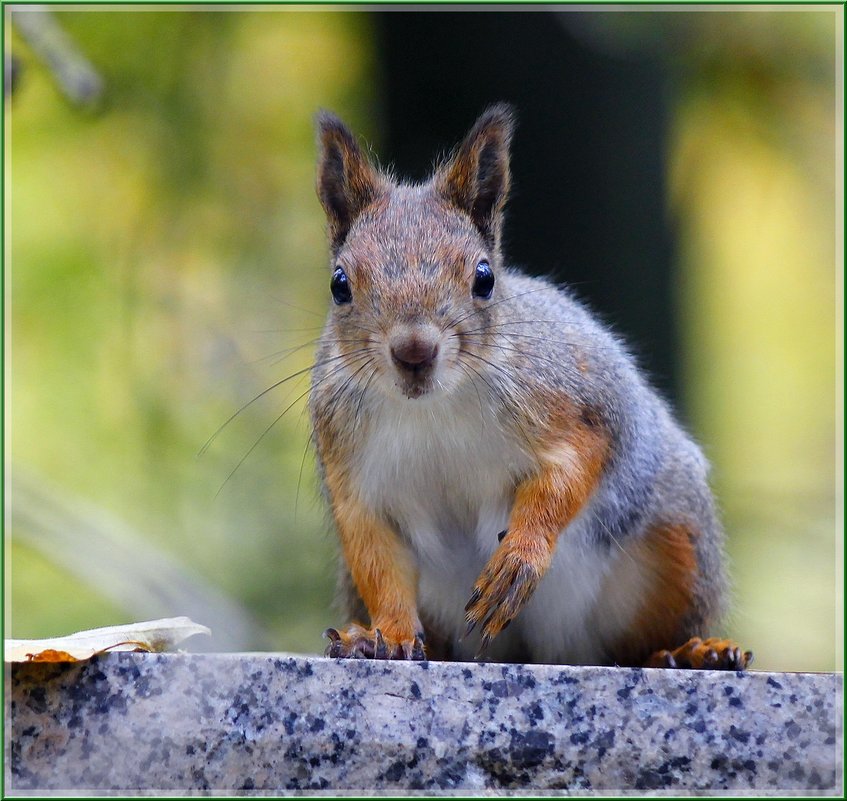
476 178
347 182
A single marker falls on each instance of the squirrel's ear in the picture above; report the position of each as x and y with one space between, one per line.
476 178
347 181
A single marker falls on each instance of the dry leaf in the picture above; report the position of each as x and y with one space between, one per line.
152 635
51 656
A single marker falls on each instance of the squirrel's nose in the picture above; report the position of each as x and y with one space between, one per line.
414 354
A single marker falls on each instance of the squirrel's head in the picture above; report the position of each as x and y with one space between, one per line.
414 267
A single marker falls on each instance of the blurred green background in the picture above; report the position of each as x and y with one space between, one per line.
166 263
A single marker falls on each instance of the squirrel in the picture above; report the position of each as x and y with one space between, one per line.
490 452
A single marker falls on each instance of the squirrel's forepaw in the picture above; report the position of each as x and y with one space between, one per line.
504 586
711 654
358 642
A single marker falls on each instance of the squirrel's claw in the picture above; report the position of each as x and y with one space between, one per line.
485 642
381 649
348 645
664 659
697 654
475 596
334 649
505 585
358 642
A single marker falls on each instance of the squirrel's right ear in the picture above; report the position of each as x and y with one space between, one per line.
477 177
347 181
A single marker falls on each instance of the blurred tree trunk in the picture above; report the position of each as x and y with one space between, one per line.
588 204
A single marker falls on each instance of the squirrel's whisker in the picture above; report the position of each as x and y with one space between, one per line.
362 394
509 334
339 393
482 344
277 419
309 441
488 306
466 370
256 443
505 401
282 355
264 392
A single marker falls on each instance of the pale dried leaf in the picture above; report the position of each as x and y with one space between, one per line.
151 635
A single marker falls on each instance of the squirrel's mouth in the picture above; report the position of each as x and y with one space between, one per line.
415 384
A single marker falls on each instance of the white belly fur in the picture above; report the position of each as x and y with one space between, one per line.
446 476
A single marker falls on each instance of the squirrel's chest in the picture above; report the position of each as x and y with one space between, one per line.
440 466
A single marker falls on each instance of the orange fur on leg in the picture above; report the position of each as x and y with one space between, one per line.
666 557
385 577
544 505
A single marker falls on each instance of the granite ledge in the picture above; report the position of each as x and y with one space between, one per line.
265 724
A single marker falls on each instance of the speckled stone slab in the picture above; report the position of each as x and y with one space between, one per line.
277 724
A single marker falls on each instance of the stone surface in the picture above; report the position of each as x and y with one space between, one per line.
272 724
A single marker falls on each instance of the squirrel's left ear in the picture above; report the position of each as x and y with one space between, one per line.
476 178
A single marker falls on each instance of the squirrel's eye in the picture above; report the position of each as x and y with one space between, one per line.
483 282
340 287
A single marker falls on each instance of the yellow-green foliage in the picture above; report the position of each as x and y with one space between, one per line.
160 250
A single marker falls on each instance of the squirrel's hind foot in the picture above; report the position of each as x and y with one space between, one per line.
711 654
358 642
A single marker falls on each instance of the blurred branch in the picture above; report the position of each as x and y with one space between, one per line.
11 73
110 556
75 75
